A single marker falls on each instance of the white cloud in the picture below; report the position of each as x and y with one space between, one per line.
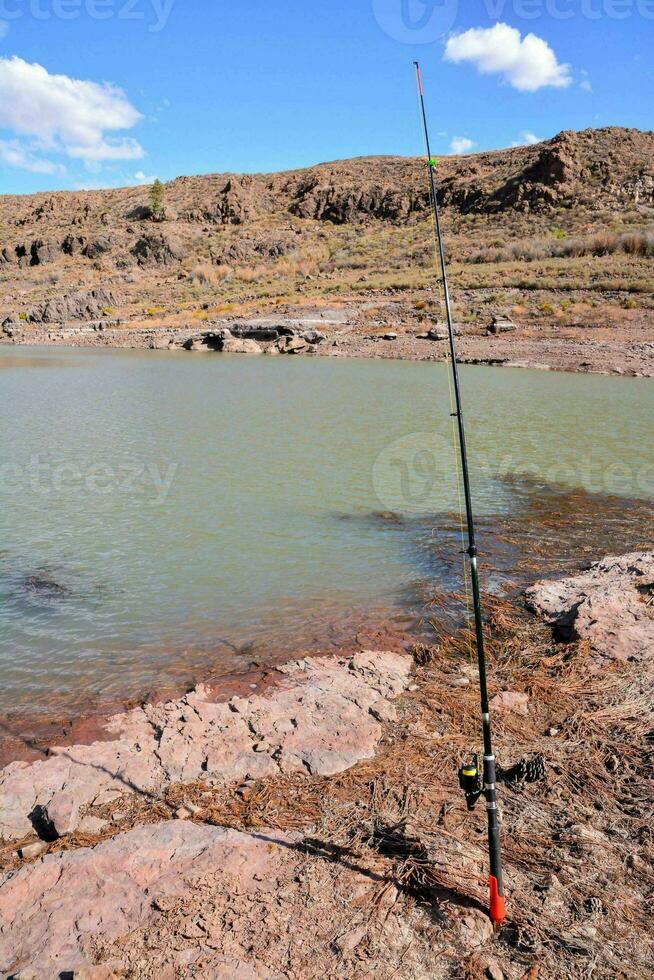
122 149
15 155
66 115
528 63
143 178
461 144
527 138
585 85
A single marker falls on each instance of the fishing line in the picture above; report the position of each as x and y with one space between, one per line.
467 634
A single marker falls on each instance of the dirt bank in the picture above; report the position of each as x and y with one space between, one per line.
620 347
334 861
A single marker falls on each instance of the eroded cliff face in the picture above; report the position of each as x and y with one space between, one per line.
347 227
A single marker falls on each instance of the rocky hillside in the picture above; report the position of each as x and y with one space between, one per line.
237 238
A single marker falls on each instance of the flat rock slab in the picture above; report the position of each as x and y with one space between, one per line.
178 899
610 605
54 913
322 718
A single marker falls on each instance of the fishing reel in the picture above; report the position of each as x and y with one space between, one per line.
530 770
470 781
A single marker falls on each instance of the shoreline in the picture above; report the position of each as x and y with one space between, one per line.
328 811
594 351
26 737
510 543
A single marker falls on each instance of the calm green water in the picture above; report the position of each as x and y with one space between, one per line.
158 510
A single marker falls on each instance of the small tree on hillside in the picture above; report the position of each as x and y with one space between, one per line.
157 201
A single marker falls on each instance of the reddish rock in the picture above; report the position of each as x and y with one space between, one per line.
52 912
318 720
609 605
511 701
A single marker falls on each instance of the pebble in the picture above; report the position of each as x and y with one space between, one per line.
33 850
263 747
92 825
460 682
181 813
493 970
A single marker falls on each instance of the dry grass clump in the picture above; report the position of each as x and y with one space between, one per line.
637 243
205 274
251 273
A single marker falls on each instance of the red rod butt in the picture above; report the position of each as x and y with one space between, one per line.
497 904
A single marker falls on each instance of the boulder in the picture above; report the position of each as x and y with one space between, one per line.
42 252
197 344
61 815
73 244
98 247
501 324
233 345
291 345
313 336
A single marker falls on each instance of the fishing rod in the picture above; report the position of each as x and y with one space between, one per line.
469 777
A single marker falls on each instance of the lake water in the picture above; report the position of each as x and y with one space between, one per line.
165 514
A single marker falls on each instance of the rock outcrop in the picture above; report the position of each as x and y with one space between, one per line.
52 914
156 250
610 605
85 305
322 718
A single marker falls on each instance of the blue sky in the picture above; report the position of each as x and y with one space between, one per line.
198 86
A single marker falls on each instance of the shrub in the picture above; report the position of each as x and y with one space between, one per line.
157 201
204 275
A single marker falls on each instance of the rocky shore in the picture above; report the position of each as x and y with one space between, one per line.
317 830
341 332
